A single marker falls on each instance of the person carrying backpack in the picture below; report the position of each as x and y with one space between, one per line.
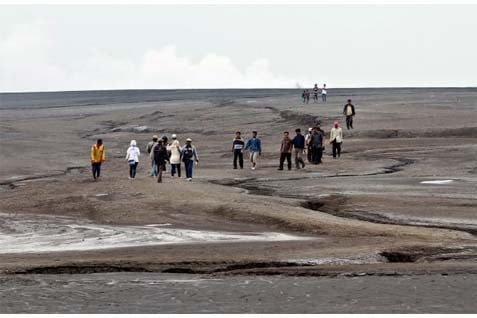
149 149
132 157
189 155
160 157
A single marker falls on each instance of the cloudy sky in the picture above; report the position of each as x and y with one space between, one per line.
51 48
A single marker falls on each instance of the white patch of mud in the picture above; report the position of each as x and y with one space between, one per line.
354 259
437 181
21 233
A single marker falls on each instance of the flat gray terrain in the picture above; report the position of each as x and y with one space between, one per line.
396 213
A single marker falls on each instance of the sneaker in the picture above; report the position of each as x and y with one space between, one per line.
253 168
189 179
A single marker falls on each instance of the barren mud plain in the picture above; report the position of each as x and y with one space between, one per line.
390 227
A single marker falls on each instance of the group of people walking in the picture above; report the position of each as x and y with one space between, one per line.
316 92
161 152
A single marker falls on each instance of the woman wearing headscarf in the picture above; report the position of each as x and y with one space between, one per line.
132 157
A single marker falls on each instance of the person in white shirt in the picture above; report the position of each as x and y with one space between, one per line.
175 150
323 93
349 112
307 144
132 157
336 138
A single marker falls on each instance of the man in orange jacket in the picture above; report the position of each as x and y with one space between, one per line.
98 155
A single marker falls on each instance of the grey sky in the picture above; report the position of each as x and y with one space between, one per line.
101 47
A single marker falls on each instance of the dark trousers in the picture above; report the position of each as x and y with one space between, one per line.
323 97
176 167
308 154
336 148
189 167
160 168
315 97
316 154
132 169
238 154
349 122
96 169
287 156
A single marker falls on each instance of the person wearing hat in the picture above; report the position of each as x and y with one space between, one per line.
132 157
149 149
349 112
189 155
160 157
174 150
336 138
97 156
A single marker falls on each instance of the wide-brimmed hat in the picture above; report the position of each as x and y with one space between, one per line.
174 136
188 139
155 137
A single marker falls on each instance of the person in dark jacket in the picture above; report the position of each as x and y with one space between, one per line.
299 147
160 158
286 151
316 142
237 148
349 112
189 155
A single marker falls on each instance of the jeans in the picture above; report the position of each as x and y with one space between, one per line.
174 167
287 156
323 97
132 169
316 154
96 167
336 148
238 154
153 171
349 122
299 158
189 167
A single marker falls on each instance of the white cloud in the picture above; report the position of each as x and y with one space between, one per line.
29 61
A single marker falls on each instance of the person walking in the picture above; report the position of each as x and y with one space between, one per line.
303 96
323 93
149 149
298 148
286 148
307 96
315 93
189 155
97 156
160 157
336 138
174 150
317 140
308 143
132 157
349 112
254 146
237 148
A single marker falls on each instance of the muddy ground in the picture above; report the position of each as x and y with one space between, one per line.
367 213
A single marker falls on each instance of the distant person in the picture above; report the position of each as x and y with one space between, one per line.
317 140
308 144
336 138
286 148
165 142
174 150
303 96
189 155
160 157
149 149
97 156
132 157
237 148
298 148
349 112
315 93
307 96
323 93
254 146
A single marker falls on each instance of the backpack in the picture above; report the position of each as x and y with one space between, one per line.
188 153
